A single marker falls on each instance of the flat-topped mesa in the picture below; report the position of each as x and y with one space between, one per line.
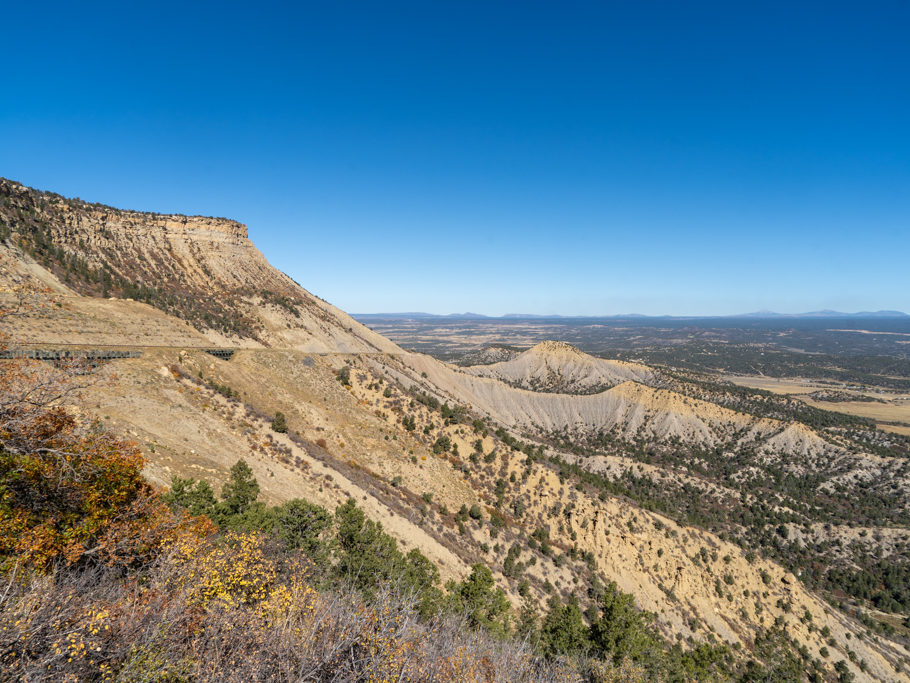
202 269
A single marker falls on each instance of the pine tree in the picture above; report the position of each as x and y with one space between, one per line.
239 492
196 497
526 629
621 631
299 524
478 598
563 630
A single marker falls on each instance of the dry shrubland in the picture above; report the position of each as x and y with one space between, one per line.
104 578
210 610
105 581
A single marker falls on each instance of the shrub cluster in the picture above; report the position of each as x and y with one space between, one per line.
106 579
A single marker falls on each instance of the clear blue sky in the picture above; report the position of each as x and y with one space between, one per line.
543 157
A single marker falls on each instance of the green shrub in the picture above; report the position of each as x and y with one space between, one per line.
279 423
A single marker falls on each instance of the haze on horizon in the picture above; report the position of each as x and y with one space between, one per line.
580 159
763 314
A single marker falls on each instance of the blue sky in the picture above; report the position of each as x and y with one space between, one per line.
541 157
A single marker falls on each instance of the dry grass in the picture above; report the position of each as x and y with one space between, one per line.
895 408
897 429
886 412
189 619
774 384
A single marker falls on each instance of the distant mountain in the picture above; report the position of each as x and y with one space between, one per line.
882 314
625 316
526 316
824 314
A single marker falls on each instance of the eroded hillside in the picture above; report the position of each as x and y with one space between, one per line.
561 368
203 270
546 488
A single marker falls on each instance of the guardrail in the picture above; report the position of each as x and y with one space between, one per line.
68 354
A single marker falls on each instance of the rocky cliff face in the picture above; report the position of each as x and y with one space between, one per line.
201 269
193 252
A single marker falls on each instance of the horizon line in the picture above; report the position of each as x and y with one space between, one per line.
882 313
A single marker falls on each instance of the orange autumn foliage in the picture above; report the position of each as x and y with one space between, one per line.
69 491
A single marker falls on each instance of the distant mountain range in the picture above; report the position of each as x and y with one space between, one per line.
536 316
824 314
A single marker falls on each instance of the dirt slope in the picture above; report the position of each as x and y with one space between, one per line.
561 368
351 440
204 270
628 409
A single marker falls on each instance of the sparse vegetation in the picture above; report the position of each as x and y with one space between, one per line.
279 423
228 573
344 376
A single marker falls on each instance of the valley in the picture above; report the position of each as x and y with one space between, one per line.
742 492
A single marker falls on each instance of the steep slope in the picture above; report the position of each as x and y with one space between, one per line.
203 270
561 368
629 409
188 429
351 441
409 464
